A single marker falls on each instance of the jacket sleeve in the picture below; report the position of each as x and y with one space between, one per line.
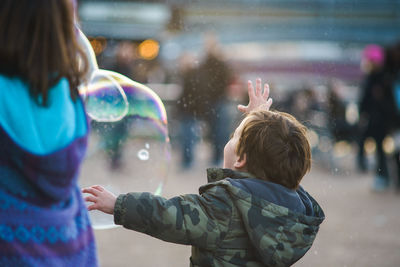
199 220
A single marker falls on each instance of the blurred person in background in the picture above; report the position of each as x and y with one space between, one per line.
235 96
189 108
392 77
371 66
43 137
298 105
302 103
339 127
376 111
215 77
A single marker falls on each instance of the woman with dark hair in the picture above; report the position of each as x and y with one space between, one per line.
43 137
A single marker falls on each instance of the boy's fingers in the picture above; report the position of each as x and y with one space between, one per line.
250 88
241 108
98 187
90 199
266 91
85 190
258 87
92 207
90 190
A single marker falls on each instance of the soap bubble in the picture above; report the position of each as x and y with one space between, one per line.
104 98
131 154
143 154
89 52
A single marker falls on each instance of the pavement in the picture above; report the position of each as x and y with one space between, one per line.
361 229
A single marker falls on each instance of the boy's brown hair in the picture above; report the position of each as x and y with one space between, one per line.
276 147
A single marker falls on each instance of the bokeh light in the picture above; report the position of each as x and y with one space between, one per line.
370 146
313 138
325 144
342 149
148 49
389 145
99 44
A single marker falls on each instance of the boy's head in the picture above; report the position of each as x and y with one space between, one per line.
271 145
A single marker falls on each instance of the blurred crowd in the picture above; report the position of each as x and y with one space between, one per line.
374 116
205 107
211 87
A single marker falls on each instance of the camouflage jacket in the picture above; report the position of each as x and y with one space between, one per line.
226 225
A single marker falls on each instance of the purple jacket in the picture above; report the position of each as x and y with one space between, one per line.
43 217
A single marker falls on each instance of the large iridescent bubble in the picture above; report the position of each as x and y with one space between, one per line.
131 154
129 146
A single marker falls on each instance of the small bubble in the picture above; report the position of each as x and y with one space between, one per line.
315 252
147 145
143 154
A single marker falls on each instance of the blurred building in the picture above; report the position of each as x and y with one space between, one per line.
274 36
292 44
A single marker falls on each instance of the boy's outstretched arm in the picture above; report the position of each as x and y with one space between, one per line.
187 219
257 99
101 198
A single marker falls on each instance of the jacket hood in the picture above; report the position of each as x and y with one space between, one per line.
281 223
38 129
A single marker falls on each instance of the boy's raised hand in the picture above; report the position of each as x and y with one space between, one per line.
103 199
257 99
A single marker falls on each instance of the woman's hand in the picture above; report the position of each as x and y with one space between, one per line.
257 99
103 199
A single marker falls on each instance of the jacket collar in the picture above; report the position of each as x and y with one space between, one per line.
217 174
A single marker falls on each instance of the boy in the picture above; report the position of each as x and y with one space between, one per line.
251 213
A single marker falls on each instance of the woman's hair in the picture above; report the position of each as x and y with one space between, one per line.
38 43
276 147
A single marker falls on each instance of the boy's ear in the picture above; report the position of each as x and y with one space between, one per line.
240 162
